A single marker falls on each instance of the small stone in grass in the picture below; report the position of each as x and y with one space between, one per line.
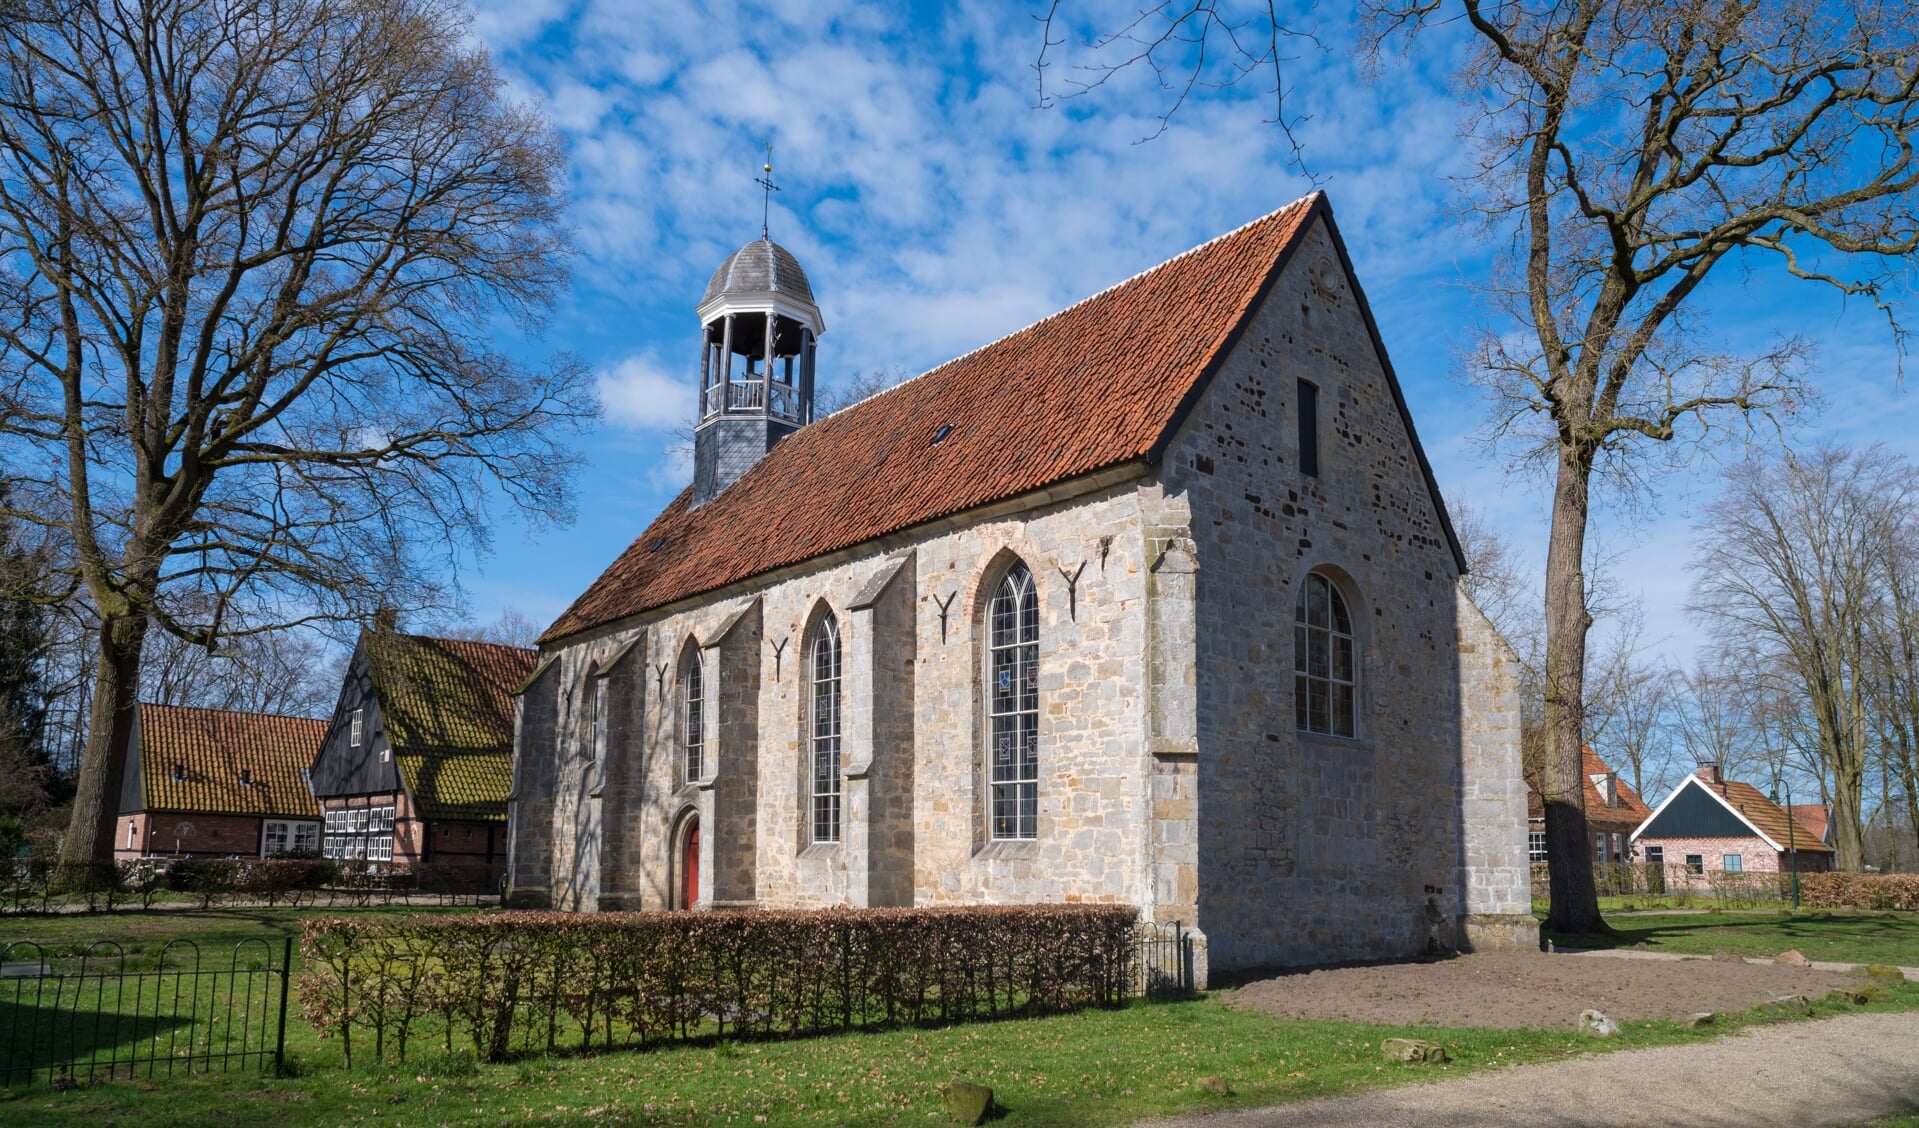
1700 1019
966 1102
1412 1049
1217 1086
1786 1004
1596 1023
1882 973
1793 958
1642 946
1857 996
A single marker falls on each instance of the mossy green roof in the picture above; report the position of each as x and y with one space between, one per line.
447 705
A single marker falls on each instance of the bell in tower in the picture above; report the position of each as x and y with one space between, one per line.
758 328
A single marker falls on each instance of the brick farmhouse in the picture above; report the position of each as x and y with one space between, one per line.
416 762
1154 601
1712 825
212 783
1613 811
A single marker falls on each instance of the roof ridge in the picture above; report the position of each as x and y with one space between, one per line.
467 641
233 712
1305 200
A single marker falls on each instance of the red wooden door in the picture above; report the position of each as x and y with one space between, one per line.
690 869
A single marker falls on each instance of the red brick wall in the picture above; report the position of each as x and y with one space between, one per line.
189 834
1756 854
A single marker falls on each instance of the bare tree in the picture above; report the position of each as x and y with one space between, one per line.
1629 706
251 259
1894 682
292 673
1789 566
1715 718
512 628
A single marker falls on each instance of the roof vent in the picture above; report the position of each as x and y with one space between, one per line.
939 436
657 545
246 777
179 773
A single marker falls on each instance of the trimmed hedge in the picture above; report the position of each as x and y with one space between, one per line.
1860 890
503 982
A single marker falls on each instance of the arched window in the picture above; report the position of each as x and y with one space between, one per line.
694 723
596 710
1013 675
1324 686
824 741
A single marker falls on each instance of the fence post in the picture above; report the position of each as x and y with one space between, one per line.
286 974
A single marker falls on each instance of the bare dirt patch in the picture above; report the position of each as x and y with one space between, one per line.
1528 989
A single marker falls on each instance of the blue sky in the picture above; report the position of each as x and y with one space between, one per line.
934 209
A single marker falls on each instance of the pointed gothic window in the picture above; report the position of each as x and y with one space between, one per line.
694 725
596 707
825 737
1013 680
1323 681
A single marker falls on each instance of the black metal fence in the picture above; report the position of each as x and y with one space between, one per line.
69 1018
1166 960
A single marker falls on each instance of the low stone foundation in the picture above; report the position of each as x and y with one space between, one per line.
1498 932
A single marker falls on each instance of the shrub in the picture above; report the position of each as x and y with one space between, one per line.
207 878
502 981
1860 890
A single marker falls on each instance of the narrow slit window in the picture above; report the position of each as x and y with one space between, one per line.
596 701
695 722
1325 683
825 738
353 737
1308 429
1014 685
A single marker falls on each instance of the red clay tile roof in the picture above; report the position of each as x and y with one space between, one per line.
1630 812
447 704
1815 817
1100 384
1768 816
215 746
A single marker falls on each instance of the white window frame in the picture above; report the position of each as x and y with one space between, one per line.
1319 649
355 728
306 837
1535 845
268 830
693 720
1012 708
823 736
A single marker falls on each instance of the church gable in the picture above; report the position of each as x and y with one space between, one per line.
1305 422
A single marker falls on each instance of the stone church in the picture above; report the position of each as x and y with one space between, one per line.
1154 601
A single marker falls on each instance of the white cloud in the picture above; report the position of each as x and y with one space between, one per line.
640 393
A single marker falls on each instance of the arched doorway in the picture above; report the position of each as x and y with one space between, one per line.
689 891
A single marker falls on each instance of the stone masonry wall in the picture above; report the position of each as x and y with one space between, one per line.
1315 848
1087 560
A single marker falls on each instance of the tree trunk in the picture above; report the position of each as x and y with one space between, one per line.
1848 836
1569 864
86 854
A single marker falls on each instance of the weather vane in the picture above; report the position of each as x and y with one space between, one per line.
765 180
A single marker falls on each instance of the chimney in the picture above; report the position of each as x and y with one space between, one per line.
1611 790
1709 772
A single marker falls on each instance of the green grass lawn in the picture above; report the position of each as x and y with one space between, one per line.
1097 1067
1839 934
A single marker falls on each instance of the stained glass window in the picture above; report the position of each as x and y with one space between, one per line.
1013 674
825 740
1324 683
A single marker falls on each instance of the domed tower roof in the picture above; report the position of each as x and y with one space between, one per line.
760 267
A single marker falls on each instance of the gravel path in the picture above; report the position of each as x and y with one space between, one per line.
1836 1071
